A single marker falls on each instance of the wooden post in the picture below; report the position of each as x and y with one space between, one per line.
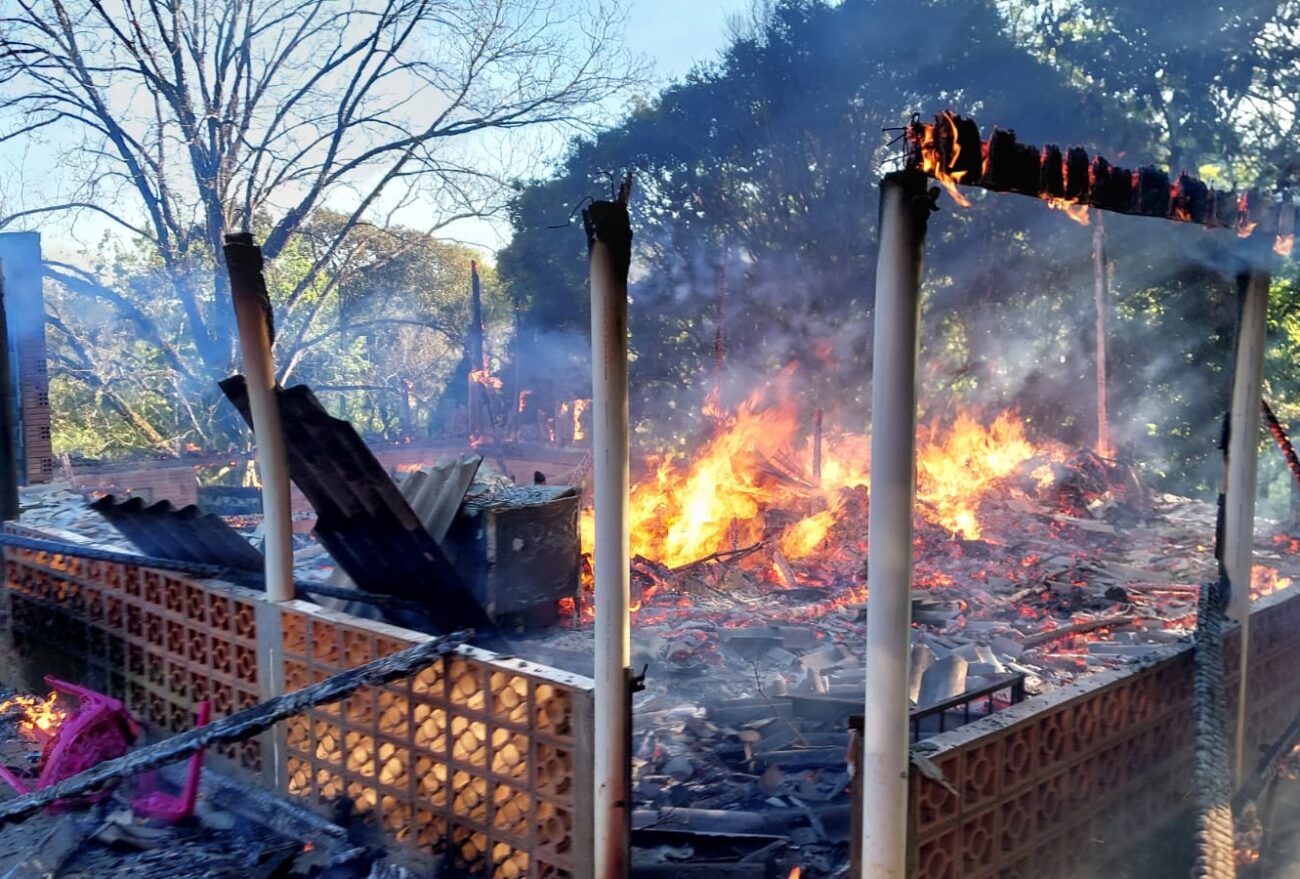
1243 454
904 211
1101 297
474 351
609 244
256 335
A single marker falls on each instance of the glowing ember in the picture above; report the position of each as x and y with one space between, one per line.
1282 246
38 716
486 379
1244 224
1265 581
796 873
1076 212
932 160
523 398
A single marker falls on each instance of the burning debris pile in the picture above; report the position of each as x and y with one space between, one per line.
1035 565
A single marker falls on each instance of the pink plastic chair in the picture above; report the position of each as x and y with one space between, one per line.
169 808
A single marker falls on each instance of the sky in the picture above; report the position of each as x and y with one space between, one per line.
674 35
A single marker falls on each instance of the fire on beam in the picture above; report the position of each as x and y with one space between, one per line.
952 151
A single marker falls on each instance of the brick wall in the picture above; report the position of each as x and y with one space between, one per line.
482 759
1062 784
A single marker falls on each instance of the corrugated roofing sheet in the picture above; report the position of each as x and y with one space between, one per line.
362 518
185 535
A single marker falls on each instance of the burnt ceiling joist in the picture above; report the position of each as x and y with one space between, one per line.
952 151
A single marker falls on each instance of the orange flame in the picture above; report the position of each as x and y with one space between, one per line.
579 406
758 462
39 716
796 873
1244 225
523 398
1282 246
956 464
932 161
486 379
1073 210
1265 581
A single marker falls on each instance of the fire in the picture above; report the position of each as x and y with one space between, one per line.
485 378
1244 225
523 398
1073 210
1265 581
796 873
955 465
741 487
579 406
40 717
1282 246
802 539
932 160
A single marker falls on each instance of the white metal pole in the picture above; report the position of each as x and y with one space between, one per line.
253 318
904 209
609 242
1243 453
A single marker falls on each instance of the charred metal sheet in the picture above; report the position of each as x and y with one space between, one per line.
362 518
435 495
185 535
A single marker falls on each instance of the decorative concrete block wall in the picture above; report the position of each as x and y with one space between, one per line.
484 760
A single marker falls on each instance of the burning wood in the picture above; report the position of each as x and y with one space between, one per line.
951 151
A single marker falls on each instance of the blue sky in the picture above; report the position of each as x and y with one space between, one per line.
675 34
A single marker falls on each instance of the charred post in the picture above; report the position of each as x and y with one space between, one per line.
1151 196
609 249
1051 180
474 406
256 335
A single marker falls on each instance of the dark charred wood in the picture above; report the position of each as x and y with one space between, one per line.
1013 166
1051 172
1189 199
1152 196
1002 152
1078 183
1112 188
1221 209
960 147
1009 166
235 728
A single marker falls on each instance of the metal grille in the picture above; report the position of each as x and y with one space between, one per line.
475 756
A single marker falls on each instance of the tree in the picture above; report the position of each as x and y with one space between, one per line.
178 120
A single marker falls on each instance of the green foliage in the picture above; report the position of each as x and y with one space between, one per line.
378 336
755 194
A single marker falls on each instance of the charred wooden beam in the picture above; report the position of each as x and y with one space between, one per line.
951 150
237 727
